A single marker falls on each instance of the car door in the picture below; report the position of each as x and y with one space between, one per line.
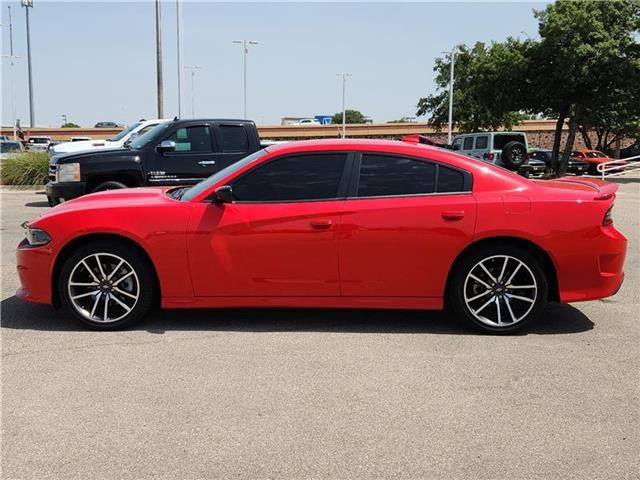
403 224
278 238
194 158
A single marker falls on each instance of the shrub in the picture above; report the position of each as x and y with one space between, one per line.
28 168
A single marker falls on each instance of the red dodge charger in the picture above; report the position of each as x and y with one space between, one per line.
331 224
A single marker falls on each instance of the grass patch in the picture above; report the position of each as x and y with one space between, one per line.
28 168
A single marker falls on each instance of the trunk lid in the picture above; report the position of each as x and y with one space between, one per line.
600 189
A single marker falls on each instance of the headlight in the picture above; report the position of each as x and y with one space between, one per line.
36 237
68 172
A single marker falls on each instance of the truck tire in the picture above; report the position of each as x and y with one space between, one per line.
514 155
110 185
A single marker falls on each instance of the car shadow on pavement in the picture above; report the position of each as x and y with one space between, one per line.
556 319
36 204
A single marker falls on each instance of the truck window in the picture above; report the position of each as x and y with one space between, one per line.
468 143
500 140
234 138
192 139
482 142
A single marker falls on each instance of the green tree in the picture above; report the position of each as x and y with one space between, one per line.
70 125
352 116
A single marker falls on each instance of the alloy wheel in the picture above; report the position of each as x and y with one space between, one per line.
500 290
103 287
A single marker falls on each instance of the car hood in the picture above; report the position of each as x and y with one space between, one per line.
88 155
68 147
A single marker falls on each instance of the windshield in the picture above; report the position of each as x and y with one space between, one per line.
124 132
9 146
38 140
149 136
216 177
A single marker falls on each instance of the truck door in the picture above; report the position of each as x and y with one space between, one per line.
193 159
234 142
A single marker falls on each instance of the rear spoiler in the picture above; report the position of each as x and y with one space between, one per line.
604 190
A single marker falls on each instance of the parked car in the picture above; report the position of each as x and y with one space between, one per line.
80 139
8 148
593 158
181 152
39 143
631 151
4 138
106 125
575 166
508 149
331 224
116 141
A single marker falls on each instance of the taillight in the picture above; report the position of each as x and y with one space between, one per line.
608 217
490 156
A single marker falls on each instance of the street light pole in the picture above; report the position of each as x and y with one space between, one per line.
193 69
245 49
452 57
179 48
11 58
159 85
27 4
344 108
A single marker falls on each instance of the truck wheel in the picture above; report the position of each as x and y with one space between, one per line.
53 201
110 185
514 155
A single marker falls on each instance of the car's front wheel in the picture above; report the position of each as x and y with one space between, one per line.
107 285
498 289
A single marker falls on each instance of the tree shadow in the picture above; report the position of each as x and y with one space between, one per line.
556 319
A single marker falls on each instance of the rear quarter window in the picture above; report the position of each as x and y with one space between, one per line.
500 140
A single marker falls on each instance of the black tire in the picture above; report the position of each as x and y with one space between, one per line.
113 251
514 155
110 185
580 173
593 169
510 307
53 201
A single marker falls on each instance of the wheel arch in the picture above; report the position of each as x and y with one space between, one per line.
534 249
130 179
68 249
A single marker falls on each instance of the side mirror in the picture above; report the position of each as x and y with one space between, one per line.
166 146
224 194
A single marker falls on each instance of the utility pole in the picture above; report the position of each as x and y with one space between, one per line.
11 58
452 57
193 69
27 4
344 108
179 48
245 48
159 86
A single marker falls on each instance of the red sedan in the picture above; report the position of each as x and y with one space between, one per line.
332 224
594 158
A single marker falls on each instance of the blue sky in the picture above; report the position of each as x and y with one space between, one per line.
96 61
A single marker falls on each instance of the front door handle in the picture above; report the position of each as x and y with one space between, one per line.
453 215
321 225
207 162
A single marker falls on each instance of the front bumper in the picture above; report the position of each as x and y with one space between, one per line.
65 190
34 265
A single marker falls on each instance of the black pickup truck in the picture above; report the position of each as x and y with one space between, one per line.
181 152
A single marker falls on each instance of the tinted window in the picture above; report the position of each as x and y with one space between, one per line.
457 143
500 140
192 139
468 143
450 180
482 142
382 175
234 138
294 178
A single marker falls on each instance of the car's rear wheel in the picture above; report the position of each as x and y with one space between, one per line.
107 285
498 289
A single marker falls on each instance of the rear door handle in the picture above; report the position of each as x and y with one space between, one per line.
321 225
453 215
207 162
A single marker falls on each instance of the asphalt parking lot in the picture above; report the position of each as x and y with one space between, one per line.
322 394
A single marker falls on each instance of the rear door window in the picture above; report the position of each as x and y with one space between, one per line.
468 143
387 175
234 138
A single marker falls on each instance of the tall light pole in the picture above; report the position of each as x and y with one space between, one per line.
179 48
452 57
193 69
245 50
27 4
159 85
11 58
344 108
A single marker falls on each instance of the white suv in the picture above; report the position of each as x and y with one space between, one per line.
508 149
118 141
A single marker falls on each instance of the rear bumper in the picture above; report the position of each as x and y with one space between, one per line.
599 272
34 270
